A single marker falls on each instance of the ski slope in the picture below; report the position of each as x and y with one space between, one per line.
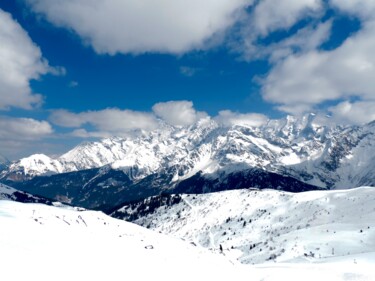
39 242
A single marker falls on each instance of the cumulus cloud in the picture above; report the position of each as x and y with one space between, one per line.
24 129
22 136
303 76
229 118
304 81
271 15
359 112
178 113
362 8
83 133
19 136
305 40
107 121
113 121
127 26
20 61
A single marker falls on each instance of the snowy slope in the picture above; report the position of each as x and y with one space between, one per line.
255 226
40 242
9 193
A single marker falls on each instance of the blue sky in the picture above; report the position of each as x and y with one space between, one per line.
80 70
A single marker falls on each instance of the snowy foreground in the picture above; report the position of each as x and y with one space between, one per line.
39 242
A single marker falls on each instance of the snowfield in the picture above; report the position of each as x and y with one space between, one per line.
270 228
39 242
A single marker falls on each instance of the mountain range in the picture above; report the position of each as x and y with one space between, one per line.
291 154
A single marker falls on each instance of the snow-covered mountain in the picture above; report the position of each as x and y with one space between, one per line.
9 193
40 242
320 155
290 154
257 226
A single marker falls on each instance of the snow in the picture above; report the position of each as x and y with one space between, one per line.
47 243
39 242
40 164
291 159
268 226
330 157
202 162
265 145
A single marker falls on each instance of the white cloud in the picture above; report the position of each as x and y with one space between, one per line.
65 118
307 80
229 118
306 39
20 61
363 8
357 112
83 133
113 121
23 129
178 113
271 15
302 76
23 136
108 121
127 26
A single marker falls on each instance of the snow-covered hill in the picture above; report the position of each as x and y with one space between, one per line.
257 226
324 156
41 243
9 193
